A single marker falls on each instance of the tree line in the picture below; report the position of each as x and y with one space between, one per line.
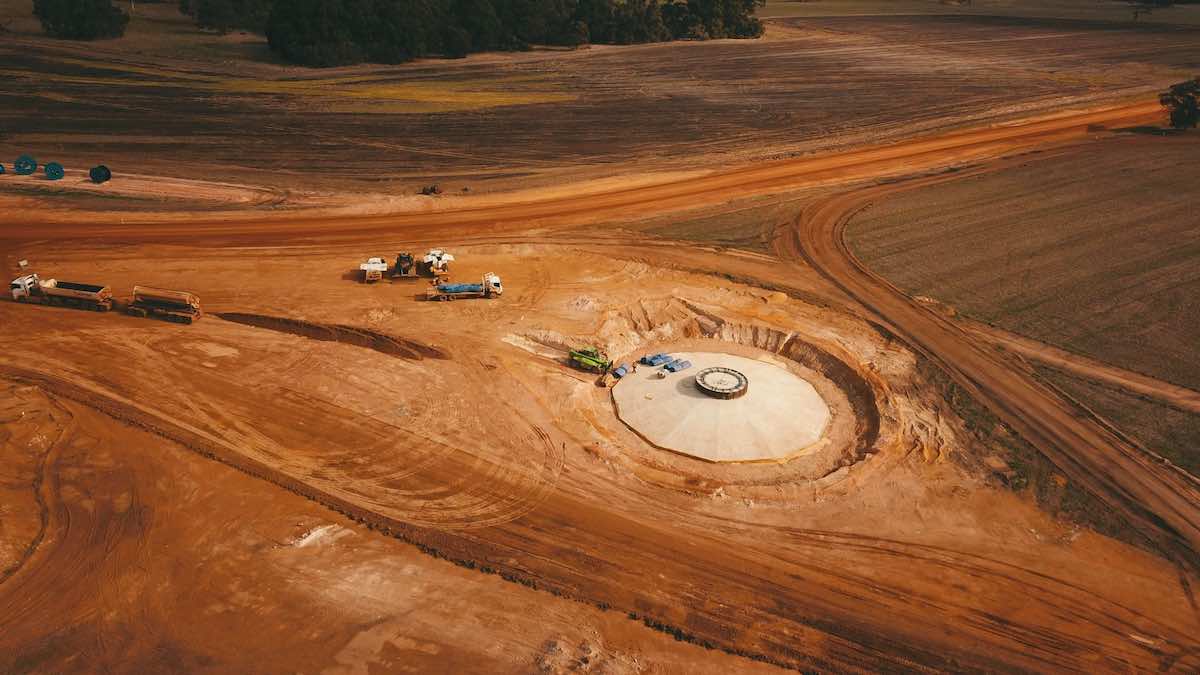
340 32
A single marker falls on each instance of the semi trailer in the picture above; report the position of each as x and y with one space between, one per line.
176 306
31 288
490 287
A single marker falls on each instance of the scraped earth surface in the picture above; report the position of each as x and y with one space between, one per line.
170 466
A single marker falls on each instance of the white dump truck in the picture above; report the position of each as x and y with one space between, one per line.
31 288
490 287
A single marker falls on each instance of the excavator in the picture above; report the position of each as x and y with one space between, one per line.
590 359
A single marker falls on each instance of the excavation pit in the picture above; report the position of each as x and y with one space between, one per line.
710 411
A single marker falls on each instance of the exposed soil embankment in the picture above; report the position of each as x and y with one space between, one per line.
392 345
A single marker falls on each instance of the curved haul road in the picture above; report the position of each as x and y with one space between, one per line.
1162 500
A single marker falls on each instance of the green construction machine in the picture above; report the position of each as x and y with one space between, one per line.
590 359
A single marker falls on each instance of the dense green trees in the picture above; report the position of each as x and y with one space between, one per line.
80 19
226 15
336 32
1182 101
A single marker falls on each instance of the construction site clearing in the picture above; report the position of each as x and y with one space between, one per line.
790 463
297 382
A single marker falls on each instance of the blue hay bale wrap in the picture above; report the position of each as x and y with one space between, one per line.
100 174
55 171
25 165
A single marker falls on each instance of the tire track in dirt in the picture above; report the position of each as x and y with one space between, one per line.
1161 500
38 488
791 602
1181 398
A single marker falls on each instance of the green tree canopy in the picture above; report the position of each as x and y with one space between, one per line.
80 19
336 32
1182 101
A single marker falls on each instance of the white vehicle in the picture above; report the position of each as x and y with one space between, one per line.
436 263
31 288
489 287
373 269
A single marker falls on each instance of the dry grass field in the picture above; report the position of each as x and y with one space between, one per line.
1093 251
224 109
1112 11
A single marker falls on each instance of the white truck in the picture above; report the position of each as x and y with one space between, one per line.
435 264
31 288
490 287
373 270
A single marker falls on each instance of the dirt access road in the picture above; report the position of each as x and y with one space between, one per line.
1161 499
523 209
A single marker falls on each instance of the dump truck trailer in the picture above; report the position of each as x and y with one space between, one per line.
176 306
31 288
490 287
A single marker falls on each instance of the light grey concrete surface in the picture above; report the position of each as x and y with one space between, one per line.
779 416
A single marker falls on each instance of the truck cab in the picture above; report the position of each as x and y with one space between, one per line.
493 285
373 269
23 287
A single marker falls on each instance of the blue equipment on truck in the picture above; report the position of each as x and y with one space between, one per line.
490 287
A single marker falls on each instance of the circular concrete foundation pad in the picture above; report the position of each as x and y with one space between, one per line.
779 416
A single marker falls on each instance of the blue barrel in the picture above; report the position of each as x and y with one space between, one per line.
25 165
1 168
55 171
100 174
